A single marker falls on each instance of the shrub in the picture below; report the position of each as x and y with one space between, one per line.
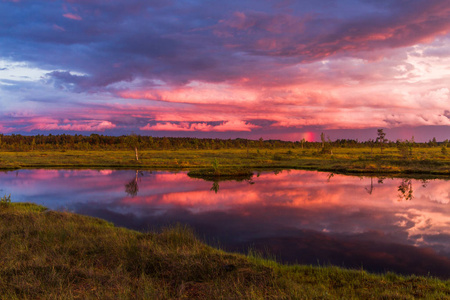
215 165
5 201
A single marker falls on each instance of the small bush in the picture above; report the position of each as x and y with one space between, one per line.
5 201
215 165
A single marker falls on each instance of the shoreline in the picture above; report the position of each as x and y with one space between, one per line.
62 254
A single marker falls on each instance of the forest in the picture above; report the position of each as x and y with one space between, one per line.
17 142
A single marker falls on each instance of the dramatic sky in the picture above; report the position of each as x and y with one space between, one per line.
257 68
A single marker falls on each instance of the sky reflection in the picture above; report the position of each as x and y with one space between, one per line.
401 225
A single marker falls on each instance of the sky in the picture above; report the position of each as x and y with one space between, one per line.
226 69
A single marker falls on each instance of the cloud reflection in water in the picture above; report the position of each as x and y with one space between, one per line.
297 216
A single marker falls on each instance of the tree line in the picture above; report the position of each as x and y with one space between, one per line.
17 142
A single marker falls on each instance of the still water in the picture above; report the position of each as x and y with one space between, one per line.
378 224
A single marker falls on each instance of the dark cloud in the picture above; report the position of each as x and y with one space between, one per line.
178 42
66 79
447 114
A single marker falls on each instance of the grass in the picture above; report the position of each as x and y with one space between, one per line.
222 173
343 160
48 254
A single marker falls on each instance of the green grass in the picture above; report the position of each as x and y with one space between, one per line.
222 173
343 160
54 255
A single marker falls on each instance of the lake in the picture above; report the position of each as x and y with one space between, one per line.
378 224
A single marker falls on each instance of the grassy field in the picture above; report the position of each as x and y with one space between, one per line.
343 160
54 255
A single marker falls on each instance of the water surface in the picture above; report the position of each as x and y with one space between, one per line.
400 225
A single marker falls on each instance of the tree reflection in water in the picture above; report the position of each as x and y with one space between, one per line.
329 177
405 190
132 187
370 190
215 187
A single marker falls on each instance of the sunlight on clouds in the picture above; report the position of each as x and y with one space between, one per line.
195 92
427 68
232 125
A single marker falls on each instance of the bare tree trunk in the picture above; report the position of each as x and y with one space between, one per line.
135 149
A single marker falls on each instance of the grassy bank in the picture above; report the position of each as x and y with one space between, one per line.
343 160
47 254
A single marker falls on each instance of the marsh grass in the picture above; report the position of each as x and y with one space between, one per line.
61 255
222 173
343 160
5 201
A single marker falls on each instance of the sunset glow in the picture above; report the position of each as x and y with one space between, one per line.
278 70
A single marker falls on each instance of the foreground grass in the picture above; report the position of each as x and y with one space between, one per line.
47 254
343 160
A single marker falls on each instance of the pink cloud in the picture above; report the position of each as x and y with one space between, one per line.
344 101
194 92
234 125
167 126
72 16
6 129
45 123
